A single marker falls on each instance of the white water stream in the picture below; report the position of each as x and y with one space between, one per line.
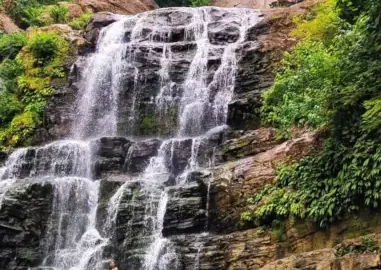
73 241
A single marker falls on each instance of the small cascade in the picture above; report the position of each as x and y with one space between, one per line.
201 109
168 74
97 106
73 218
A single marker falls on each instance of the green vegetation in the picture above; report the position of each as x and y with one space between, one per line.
81 22
39 13
11 44
367 245
59 14
26 80
183 3
29 63
331 82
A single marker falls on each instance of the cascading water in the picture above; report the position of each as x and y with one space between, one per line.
201 106
182 93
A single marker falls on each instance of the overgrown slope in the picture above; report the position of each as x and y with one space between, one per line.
330 82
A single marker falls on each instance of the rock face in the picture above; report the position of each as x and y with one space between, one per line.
255 3
7 25
24 217
204 182
117 6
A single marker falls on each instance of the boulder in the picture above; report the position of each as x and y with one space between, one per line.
186 209
75 10
110 155
96 23
117 6
7 25
234 182
24 216
139 154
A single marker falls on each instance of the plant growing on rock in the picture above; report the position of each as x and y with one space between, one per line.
59 14
81 22
11 44
330 83
27 85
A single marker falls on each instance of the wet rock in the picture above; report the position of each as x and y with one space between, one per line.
130 236
139 154
223 35
108 187
97 22
110 155
186 209
24 216
177 155
245 143
113 147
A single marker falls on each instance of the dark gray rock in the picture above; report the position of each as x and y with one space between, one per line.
139 154
110 155
24 215
244 111
186 208
97 22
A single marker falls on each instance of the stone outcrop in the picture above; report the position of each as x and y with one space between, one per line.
202 217
7 25
262 4
24 216
234 182
117 6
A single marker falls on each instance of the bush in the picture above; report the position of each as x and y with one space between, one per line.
199 3
341 78
9 107
9 72
11 44
44 47
298 95
32 16
81 22
26 12
59 14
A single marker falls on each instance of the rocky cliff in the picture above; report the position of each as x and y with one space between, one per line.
205 179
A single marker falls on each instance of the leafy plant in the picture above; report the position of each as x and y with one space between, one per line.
11 44
59 14
368 245
199 3
81 22
44 47
330 82
32 16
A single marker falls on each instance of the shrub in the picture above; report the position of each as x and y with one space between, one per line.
9 107
81 22
59 14
11 44
300 89
26 12
9 71
43 46
32 16
199 3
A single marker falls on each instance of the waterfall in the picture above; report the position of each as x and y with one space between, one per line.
168 73
201 110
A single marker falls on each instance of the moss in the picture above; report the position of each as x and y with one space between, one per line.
81 22
42 59
367 245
